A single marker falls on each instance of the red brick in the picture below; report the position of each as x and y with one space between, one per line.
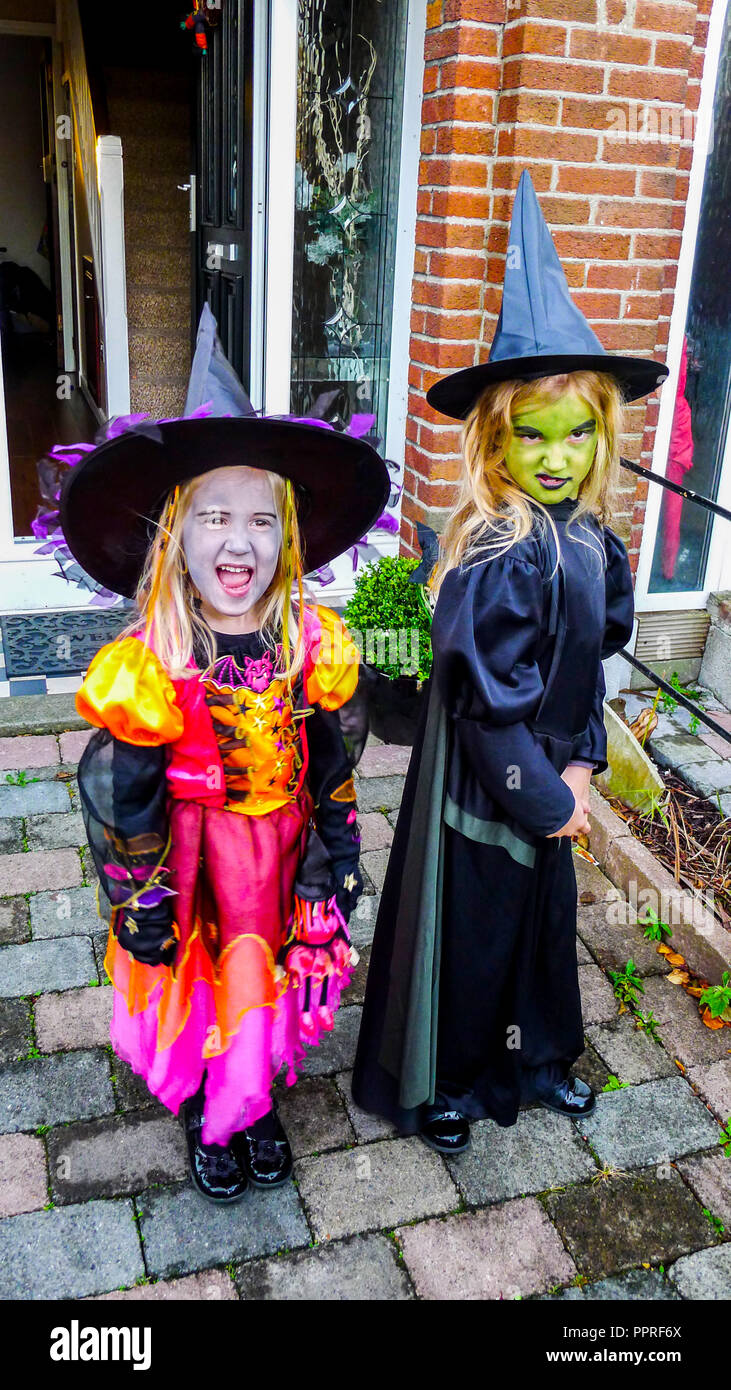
457 139
581 11
551 76
566 210
592 245
431 78
528 107
596 305
625 277
609 48
647 85
618 150
458 106
444 356
676 18
453 173
641 306
436 494
672 53
483 11
428 141
656 248
450 265
449 294
658 183
552 145
433 13
633 213
442 440
457 202
616 11
596 179
463 71
582 114
506 174
462 328
448 234
628 337
526 36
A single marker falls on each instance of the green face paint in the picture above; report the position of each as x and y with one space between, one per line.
551 447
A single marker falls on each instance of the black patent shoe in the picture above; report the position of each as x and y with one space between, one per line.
264 1153
216 1172
571 1097
447 1131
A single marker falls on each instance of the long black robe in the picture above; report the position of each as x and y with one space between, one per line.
473 984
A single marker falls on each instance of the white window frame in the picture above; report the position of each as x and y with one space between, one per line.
718 567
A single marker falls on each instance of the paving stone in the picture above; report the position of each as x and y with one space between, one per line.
100 941
714 1084
182 1232
18 754
355 993
384 760
628 1052
636 1285
76 1018
379 793
131 1091
14 921
211 1284
366 1126
591 1068
71 1086
69 1252
362 1268
115 1157
35 966
709 1175
583 956
69 913
23 1181
11 835
541 1151
628 1220
651 1123
314 1116
337 1051
590 879
16 1033
55 830
63 773
598 1003
375 1187
704 1275
375 863
375 831
39 714
706 778
613 936
362 923
392 818
682 1033
510 1251
679 748
33 798
42 868
73 744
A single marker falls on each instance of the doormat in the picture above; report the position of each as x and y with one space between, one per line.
57 644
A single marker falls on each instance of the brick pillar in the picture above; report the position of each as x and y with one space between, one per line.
510 86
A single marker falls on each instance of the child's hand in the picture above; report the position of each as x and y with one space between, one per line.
579 822
579 780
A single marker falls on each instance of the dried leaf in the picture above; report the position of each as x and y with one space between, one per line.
710 1021
680 1066
665 950
677 977
587 897
695 990
675 959
583 841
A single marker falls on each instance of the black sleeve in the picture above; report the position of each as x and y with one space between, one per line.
330 776
124 804
620 610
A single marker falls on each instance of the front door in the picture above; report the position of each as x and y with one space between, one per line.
223 182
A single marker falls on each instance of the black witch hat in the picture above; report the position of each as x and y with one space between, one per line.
540 331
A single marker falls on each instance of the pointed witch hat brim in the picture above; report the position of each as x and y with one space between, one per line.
111 501
540 331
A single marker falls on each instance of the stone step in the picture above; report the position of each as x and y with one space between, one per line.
156 153
167 226
137 83
168 310
159 399
153 189
160 267
155 355
148 116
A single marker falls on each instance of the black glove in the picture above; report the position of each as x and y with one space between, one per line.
349 886
147 933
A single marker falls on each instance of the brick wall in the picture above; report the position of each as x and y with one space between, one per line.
565 90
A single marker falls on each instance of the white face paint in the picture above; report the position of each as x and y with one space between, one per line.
231 539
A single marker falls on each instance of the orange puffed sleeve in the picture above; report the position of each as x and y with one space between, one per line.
334 673
128 691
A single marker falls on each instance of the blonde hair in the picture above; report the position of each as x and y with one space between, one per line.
165 594
492 512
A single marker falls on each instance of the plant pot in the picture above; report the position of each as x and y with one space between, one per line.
394 705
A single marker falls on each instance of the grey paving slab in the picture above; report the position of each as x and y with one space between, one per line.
614 937
314 1116
75 1018
209 1284
375 863
583 956
384 760
591 882
23 1178
11 835
36 966
355 993
18 754
641 1285
367 1127
375 831
115 1157
683 1034
591 1069
631 1219
363 921
379 793
706 777
704 1275
337 1051
542 1150
70 1086
131 1091
14 921
39 714
650 1123
365 1267
182 1232
598 1003
38 870
709 1176
15 1029
677 749
506 1253
55 830
69 1252
374 1187
628 1051
714 1083
71 912
33 798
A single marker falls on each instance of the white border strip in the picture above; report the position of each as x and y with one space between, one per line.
283 50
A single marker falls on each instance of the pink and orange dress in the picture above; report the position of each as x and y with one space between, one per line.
227 801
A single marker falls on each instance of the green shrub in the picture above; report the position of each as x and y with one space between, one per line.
389 620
